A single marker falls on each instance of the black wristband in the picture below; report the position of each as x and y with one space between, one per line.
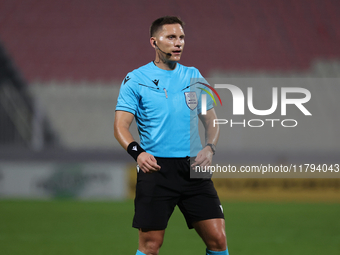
134 149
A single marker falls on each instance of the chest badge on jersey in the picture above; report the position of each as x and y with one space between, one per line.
191 99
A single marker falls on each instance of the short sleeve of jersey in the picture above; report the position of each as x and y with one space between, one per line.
128 95
201 81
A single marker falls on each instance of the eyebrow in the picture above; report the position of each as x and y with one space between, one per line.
182 35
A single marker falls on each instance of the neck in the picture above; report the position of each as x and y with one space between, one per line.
163 63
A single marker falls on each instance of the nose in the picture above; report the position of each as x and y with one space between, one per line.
179 42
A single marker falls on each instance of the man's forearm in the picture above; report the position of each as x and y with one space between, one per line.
123 136
212 133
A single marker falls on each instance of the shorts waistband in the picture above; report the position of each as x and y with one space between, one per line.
177 158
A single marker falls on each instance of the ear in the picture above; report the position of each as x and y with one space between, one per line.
153 42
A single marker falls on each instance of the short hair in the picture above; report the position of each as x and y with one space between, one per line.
158 23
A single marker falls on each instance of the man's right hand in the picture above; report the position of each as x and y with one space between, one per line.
147 163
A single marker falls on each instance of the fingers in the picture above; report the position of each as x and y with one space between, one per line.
204 158
147 163
202 162
153 164
198 160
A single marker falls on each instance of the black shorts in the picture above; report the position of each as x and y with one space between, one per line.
158 193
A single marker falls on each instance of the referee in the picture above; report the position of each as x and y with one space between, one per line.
164 98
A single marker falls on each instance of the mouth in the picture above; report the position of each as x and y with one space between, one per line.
176 52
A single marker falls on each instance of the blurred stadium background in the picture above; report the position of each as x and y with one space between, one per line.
61 65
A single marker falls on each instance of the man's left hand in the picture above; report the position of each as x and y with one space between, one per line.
204 157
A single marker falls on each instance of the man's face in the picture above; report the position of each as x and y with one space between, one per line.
171 40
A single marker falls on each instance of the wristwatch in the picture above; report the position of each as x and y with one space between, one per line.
212 146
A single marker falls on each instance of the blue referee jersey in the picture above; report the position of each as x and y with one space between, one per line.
166 105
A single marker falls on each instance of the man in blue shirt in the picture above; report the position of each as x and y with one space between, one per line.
165 99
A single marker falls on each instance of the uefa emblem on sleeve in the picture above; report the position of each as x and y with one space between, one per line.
191 99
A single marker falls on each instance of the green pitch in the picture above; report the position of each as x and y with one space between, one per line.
104 228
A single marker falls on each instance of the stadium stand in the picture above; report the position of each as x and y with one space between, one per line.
87 40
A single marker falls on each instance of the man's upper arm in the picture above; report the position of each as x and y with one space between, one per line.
122 124
123 119
209 100
128 98
209 117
